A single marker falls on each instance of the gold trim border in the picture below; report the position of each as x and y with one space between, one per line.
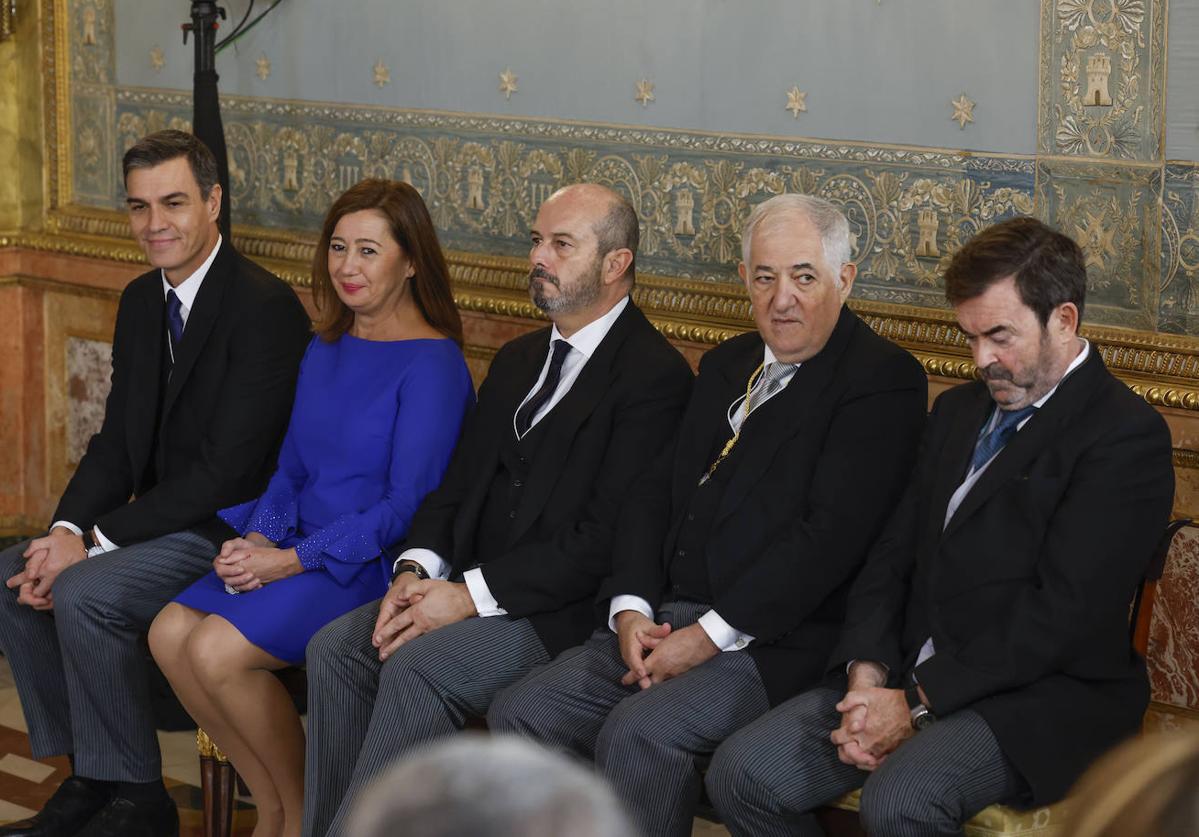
1161 368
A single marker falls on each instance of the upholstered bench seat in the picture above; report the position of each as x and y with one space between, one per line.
997 820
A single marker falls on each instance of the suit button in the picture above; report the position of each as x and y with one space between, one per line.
682 553
512 514
517 483
690 517
524 460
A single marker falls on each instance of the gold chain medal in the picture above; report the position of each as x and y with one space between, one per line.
731 443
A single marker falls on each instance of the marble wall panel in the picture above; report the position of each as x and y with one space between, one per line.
1173 656
89 378
1112 211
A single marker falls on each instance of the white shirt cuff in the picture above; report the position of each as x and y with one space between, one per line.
627 602
485 603
66 524
433 563
722 634
108 545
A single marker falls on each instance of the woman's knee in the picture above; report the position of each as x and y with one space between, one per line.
216 651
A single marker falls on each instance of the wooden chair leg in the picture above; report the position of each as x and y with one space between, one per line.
217 781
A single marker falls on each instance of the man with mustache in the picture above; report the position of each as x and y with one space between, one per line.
502 561
985 656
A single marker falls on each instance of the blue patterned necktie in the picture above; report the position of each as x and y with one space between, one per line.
174 318
524 416
999 436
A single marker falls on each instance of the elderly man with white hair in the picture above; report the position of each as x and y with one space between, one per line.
734 551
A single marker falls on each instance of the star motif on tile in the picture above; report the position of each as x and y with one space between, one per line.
382 74
1097 242
264 67
796 101
508 83
963 111
158 59
645 92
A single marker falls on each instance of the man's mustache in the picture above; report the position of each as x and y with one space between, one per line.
995 372
542 273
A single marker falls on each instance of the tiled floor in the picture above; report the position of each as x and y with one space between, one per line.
26 784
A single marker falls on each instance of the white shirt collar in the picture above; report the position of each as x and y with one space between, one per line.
189 287
588 338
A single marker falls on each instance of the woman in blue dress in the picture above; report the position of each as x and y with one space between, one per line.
380 400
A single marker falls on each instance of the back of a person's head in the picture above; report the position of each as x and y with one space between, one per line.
1147 787
488 786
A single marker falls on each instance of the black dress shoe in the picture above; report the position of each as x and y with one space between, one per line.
70 808
123 817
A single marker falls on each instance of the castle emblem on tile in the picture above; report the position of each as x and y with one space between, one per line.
508 83
474 188
927 223
89 26
157 59
1099 68
382 75
796 101
963 111
645 92
263 67
684 207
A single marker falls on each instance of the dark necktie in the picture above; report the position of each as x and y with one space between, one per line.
524 416
999 436
174 318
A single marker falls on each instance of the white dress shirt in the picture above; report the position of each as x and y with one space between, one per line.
186 291
583 344
723 635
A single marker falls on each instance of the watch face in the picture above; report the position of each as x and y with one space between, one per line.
923 720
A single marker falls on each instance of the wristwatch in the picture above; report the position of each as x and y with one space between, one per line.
89 540
409 566
922 716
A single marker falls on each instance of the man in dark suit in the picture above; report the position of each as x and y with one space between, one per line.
985 656
204 362
502 562
744 537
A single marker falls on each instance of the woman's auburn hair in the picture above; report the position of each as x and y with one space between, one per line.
412 228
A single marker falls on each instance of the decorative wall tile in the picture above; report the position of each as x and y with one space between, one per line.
1111 210
91 41
1102 78
1179 307
94 174
484 178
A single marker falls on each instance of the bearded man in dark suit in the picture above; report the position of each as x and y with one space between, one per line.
985 656
204 361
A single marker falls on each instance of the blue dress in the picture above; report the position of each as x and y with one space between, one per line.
371 433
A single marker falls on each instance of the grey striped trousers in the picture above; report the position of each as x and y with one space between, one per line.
649 744
80 670
363 714
766 779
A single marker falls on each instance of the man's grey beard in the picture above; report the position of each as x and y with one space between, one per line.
575 298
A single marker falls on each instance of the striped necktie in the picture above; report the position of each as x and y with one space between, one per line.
995 441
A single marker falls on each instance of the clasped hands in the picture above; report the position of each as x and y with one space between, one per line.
248 563
874 720
655 653
414 606
45 558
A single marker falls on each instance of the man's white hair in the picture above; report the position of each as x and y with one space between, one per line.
830 222
488 786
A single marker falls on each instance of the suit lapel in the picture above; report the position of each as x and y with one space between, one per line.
146 376
768 427
957 451
1041 431
200 320
567 416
